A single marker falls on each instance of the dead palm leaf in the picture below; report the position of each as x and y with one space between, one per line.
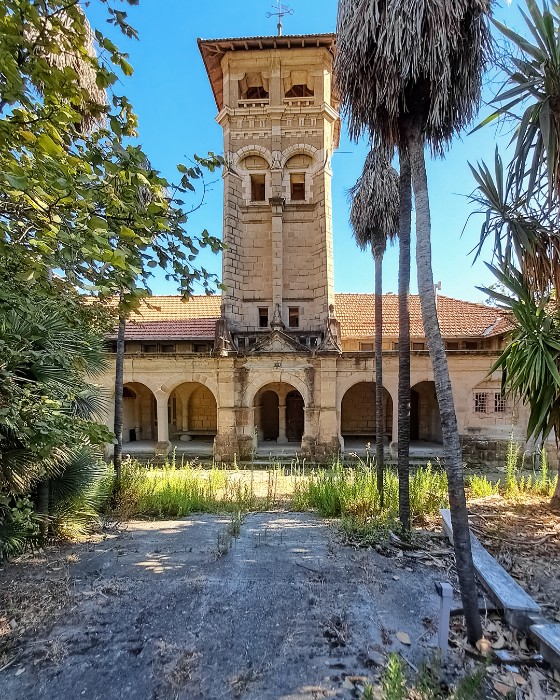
68 41
374 213
421 58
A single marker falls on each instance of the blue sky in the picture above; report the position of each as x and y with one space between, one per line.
172 96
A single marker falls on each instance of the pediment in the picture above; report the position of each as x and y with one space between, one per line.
277 341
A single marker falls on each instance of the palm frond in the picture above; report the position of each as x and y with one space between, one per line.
375 209
531 360
533 83
421 58
523 229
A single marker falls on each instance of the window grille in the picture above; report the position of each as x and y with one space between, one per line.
480 402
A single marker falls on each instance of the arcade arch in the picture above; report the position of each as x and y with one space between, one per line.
425 420
279 410
139 413
357 412
192 412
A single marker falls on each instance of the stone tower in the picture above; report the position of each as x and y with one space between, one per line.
281 124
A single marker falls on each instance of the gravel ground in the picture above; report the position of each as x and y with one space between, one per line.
274 607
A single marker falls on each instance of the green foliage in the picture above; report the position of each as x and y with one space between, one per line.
520 203
79 494
47 413
19 526
81 210
481 487
71 170
175 492
352 492
512 460
533 84
529 363
393 680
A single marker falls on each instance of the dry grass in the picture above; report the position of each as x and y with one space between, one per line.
524 536
34 594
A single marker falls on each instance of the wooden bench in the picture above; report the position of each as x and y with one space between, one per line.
187 435
519 608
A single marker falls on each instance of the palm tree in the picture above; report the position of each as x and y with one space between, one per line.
48 402
374 217
403 437
410 73
533 83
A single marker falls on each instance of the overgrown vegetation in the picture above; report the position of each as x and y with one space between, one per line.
338 491
427 684
515 484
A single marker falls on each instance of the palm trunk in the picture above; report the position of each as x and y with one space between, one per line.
119 382
43 505
379 422
451 443
405 196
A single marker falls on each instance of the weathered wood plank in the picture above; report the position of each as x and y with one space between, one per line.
518 606
549 637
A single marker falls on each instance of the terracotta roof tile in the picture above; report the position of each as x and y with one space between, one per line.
162 308
169 317
183 329
458 319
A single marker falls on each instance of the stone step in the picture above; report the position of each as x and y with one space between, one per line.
548 637
519 609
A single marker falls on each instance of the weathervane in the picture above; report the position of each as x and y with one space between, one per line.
281 11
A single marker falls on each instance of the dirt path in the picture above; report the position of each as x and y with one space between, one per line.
180 609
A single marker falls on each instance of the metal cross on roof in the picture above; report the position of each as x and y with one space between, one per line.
281 11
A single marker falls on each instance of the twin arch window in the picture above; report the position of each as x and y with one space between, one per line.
294 178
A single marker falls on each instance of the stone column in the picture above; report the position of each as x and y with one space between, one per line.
163 445
184 413
282 439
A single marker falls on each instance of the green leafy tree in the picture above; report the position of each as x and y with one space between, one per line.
374 218
410 74
71 214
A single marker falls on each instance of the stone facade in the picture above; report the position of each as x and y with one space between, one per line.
290 362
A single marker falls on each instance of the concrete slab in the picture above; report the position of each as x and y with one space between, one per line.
518 606
548 636
179 609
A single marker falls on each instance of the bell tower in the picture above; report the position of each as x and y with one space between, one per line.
279 116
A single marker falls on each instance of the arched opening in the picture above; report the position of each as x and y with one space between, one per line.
192 413
279 414
139 413
425 421
295 416
269 415
357 414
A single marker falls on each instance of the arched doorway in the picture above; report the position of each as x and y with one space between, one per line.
357 413
425 420
269 415
192 413
279 414
139 413
295 416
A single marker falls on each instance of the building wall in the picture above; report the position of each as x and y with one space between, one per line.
323 381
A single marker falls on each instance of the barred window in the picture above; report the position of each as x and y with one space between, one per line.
499 403
480 402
